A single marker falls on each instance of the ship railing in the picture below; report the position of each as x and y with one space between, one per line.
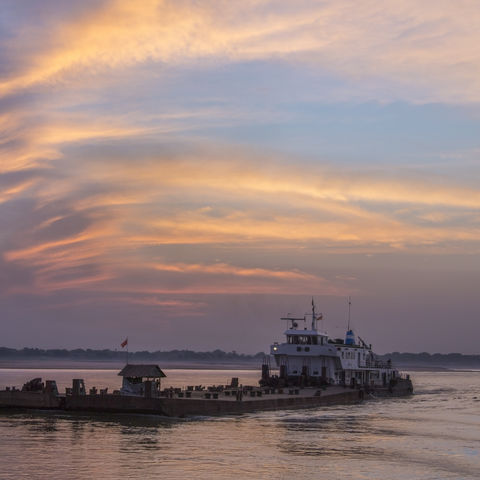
378 364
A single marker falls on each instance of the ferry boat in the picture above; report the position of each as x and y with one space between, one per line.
308 357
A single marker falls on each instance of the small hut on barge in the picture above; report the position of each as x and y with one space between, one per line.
141 380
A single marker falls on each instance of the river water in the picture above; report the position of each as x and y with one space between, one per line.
433 435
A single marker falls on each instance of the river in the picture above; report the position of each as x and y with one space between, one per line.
435 434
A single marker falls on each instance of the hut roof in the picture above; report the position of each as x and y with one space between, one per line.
150 371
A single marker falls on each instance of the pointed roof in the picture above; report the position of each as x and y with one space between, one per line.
141 370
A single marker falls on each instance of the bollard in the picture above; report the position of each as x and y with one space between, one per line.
78 386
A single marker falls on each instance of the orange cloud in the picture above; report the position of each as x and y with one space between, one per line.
266 176
430 45
10 192
157 302
138 204
225 269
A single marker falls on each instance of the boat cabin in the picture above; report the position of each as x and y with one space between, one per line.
141 379
310 357
306 356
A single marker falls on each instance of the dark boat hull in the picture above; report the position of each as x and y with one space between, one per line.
183 407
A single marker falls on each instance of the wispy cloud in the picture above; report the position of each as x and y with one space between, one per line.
424 50
225 269
96 238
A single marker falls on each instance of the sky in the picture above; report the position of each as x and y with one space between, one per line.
185 173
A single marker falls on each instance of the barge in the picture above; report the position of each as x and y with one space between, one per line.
313 371
172 402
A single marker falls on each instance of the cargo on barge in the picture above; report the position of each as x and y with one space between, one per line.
170 402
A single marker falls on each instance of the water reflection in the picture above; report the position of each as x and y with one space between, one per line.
314 434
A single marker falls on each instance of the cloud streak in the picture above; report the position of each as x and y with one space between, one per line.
425 49
97 238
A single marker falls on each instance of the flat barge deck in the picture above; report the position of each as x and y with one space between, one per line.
194 403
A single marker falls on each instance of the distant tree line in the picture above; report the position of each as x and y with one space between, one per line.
435 359
89 354
219 356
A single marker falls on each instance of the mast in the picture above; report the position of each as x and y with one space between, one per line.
313 315
349 308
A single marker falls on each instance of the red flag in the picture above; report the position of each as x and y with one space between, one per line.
124 343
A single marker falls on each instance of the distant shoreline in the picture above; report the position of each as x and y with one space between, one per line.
215 360
35 364
67 364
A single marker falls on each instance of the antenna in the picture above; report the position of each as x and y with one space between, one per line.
294 321
349 308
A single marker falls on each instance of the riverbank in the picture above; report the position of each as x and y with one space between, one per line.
53 364
50 364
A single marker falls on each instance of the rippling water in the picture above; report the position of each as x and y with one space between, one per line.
433 435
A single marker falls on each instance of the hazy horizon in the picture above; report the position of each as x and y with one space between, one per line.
186 173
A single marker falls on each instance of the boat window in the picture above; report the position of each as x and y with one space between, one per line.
307 349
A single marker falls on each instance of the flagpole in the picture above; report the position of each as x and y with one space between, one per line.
125 344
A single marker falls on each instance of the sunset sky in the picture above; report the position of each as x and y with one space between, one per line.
184 173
